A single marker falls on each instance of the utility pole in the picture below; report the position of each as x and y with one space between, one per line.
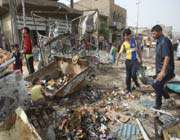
138 2
24 19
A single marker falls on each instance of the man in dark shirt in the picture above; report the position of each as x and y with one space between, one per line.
164 64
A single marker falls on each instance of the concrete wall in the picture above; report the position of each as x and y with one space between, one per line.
118 16
102 5
105 7
40 25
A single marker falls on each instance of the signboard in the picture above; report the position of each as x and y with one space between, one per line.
41 24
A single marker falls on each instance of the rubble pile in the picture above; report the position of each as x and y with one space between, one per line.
91 116
52 84
99 111
83 123
55 84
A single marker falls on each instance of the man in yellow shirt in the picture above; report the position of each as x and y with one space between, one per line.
129 46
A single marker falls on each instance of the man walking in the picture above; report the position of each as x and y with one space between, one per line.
129 46
164 64
27 49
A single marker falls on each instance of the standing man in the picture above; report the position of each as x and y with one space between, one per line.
27 49
129 46
164 64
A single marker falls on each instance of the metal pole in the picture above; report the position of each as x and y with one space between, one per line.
98 25
10 10
12 7
24 13
137 26
67 22
41 53
24 19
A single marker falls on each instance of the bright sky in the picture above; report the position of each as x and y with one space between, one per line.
151 12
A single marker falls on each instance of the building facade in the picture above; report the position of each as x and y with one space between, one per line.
167 30
40 15
116 14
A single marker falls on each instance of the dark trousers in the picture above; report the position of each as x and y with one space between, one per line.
30 65
18 66
131 73
100 45
160 89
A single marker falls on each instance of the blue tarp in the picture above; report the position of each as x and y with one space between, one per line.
174 86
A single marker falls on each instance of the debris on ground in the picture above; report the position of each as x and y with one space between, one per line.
171 131
62 77
4 56
128 132
100 109
18 128
13 93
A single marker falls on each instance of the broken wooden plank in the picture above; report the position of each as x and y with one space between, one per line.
145 136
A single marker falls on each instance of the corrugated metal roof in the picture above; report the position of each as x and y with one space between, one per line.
128 132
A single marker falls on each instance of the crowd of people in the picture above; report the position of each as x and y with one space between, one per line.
60 46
